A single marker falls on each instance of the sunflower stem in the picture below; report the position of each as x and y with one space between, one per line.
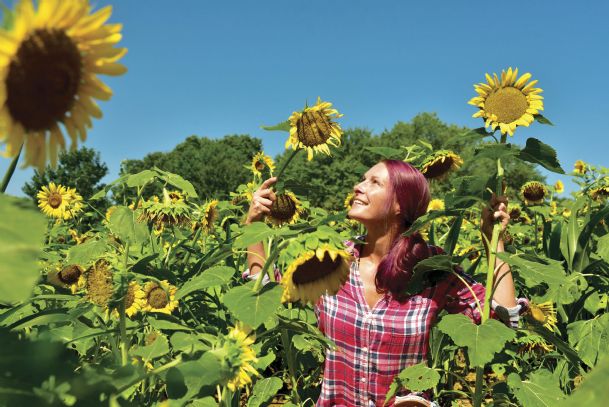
285 341
271 259
10 171
285 165
123 320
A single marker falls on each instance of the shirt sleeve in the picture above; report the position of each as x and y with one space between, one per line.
247 276
465 295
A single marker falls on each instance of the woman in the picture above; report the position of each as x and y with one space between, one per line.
378 329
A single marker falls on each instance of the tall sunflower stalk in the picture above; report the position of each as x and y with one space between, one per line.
505 102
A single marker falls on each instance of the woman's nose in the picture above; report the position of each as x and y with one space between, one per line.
358 188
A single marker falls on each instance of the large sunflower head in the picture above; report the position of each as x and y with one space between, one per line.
53 200
286 209
239 356
260 162
71 277
544 313
160 297
314 273
49 62
439 164
507 102
533 193
99 285
580 167
314 129
436 205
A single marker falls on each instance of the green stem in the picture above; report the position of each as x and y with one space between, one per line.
479 383
192 246
123 320
10 170
280 173
285 341
271 259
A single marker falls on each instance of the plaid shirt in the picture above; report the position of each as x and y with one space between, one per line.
374 345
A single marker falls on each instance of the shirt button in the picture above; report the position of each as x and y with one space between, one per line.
363 380
365 349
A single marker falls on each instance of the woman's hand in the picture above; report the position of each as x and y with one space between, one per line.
498 211
261 202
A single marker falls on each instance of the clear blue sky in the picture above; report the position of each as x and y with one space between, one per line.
213 68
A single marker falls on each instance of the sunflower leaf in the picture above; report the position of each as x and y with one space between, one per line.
283 126
482 341
540 153
541 389
86 253
21 238
467 136
414 378
159 347
495 151
124 224
141 178
264 390
541 119
214 276
253 308
590 338
536 270
253 233
387 152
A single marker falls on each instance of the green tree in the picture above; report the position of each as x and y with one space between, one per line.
81 169
214 166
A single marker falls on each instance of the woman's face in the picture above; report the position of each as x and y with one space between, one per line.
371 195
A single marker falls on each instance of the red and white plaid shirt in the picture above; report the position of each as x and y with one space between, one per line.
374 345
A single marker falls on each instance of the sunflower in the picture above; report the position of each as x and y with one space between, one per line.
508 102
600 191
49 62
240 356
436 205
168 212
160 297
99 283
349 201
314 129
471 252
174 196
553 208
559 187
109 212
314 272
260 162
71 276
533 344
544 314
566 212
75 203
134 300
53 200
533 192
286 209
580 167
439 164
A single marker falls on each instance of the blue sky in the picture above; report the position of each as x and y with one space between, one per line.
227 67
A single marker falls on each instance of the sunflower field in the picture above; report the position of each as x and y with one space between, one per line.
151 304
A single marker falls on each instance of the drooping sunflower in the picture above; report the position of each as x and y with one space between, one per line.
436 205
533 192
99 285
544 313
160 297
533 344
169 212
314 129
49 62
240 356
439 164
315 272
208 217
507 102
175 196
260 162
53 201
580 167
286 209
600 191
135 300
71 276
75 203
559 187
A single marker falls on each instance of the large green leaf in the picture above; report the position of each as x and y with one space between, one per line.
583 240
540 153
425 268
593 390
264 390
215 276
602 248
253 308
87 253
178 182
536 270
185 380
495 151
141 178
414 378
21 238
482 341
253 233
541 389
159 347
283 126
124 224
590 338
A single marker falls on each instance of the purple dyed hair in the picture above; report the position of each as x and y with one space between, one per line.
410 189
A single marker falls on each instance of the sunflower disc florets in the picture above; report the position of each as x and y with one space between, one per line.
533 193
441 163
286 209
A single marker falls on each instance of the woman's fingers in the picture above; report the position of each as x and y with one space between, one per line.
264 201
267 183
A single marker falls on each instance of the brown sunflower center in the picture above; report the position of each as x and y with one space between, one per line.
313 269
508 104
283 208
313 128
129 297
158 298
210 216
534 192
260 165
439 168
70 274
43 79
99 283
55 200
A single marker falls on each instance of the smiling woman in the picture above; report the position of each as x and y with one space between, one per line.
378 328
